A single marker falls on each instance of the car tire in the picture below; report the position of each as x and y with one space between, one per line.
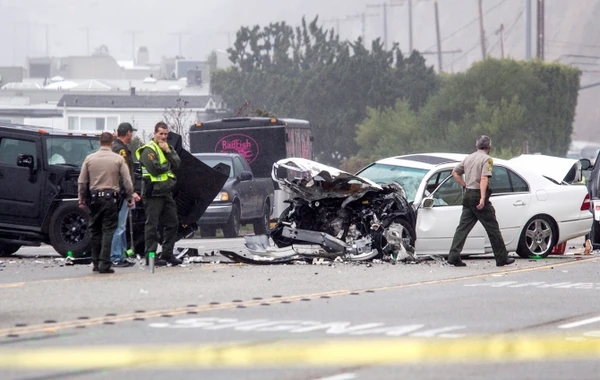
261 225
232 228
208 232
68 230
407 233
538 237
8 249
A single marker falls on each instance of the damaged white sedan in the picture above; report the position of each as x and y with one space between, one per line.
535 204
333 214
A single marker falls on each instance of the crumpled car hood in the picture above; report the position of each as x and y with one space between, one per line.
313 181
555 168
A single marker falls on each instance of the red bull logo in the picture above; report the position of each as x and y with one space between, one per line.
238 143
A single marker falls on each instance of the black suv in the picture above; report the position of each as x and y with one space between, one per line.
39 168
38 188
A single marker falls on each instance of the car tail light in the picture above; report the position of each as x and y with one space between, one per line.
586 203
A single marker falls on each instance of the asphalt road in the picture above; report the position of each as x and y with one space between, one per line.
217 320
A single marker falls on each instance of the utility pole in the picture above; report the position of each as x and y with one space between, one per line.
540 29
502 40
14 43
363 22
439 39
528 29
228 34
180 37
337 25
410 27
133 33
87 39
410 21
27 39
501 32
385 24
481 29
47 27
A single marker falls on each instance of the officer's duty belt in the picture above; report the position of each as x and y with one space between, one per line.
107 194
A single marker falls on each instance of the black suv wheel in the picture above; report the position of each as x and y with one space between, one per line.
68 230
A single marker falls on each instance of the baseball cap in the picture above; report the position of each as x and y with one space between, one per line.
125 127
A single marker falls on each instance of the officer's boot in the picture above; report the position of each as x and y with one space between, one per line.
171 259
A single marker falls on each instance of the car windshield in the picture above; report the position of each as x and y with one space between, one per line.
213 161
409 178
70 151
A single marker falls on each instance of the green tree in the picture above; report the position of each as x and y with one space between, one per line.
510 101
308 73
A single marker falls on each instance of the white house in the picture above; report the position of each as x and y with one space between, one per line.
104 112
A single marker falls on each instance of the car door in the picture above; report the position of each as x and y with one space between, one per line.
255 207
20 187
437 218
245 190
511 199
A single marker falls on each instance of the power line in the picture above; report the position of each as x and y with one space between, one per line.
476 19
385 6
506 34
509 29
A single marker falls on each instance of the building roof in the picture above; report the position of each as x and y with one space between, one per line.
117 85
136 101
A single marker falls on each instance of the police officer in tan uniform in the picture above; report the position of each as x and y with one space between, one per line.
477 168
100 174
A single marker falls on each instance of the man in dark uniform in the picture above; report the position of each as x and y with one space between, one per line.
100 174
158 160
477 168
119 242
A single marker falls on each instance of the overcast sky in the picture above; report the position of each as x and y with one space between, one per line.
211 24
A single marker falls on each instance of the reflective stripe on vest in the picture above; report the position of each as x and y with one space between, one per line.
161 160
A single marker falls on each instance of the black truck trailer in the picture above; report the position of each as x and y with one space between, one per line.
261 140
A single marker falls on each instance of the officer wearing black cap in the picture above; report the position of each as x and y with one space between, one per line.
121 147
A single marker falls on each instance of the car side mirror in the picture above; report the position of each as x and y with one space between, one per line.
427 203
585 164
245 176
25 161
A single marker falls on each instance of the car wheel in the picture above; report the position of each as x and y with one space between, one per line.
538 237
207 232
409 238
8 249
232 229
68 230
261 225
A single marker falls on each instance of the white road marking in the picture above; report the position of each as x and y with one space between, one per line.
579 323
538 285
341 376
299 327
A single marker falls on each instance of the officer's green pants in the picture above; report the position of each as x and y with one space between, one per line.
161 211
470 216
104 215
